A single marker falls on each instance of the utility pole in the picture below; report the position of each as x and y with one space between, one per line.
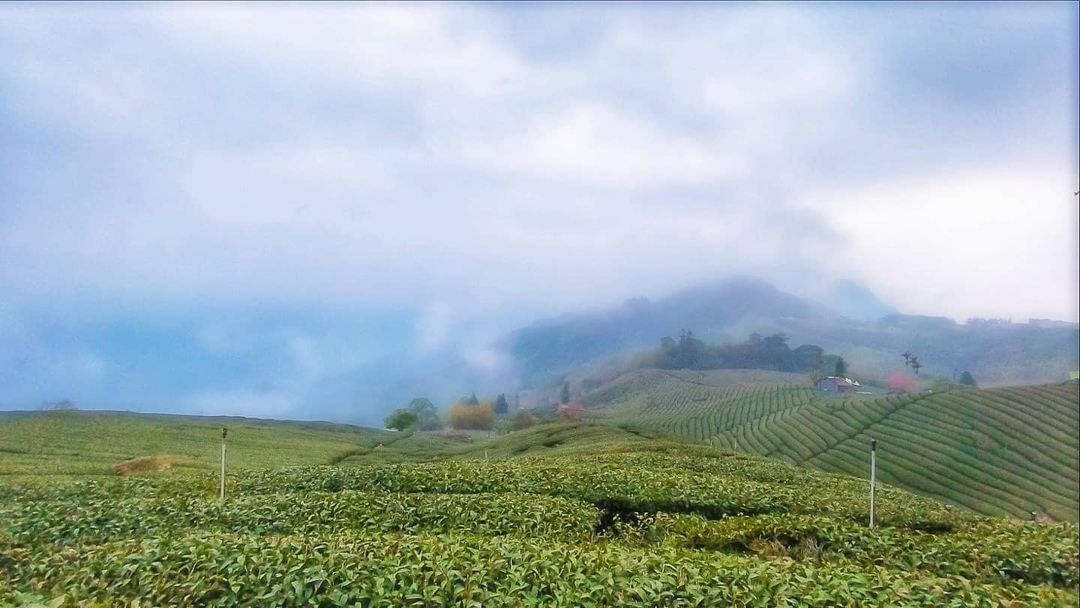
873 477
221 493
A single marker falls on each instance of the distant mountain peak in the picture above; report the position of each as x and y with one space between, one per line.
854 300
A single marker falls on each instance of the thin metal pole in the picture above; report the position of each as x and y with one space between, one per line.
221 493
873 477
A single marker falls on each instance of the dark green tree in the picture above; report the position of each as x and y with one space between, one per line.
564 394
401 420
501 405
426 413
841 367
807 358
470 400
966 379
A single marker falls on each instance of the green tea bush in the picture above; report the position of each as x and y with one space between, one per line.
622 527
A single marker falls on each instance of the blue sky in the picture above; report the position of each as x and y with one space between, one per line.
249 208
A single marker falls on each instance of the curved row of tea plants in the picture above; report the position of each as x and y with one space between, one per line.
992 550
999 451
635 522
713 487
1008 451
698 405
99 519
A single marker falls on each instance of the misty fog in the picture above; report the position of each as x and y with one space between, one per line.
319 211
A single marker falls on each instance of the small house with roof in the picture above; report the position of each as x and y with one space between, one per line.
837 384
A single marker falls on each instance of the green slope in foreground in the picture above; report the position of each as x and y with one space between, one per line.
91 442
558 515
1006 451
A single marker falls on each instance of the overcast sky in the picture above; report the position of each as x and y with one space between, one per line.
308 179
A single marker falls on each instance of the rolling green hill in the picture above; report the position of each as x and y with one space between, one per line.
997 451
557 515
92 442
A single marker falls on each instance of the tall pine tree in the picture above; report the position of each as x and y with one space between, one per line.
501 405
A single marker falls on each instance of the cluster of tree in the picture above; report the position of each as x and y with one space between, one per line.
421 414
467 413
757 352
427 417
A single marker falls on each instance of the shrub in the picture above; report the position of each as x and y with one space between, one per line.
146 464
523 420
401 420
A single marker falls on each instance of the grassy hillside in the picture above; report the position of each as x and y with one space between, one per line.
542 440
90 443
997 451
558 515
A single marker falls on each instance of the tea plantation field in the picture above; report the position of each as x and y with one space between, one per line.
1003 451
558 515
80 443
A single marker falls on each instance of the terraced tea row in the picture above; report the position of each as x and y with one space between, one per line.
993 551
713 487
698 405
103 519
999 451
1002 451
620 528
593 515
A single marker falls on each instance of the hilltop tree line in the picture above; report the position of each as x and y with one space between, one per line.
756 352
467 413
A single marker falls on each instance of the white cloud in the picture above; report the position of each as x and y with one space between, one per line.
424 153
982 243
594 144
